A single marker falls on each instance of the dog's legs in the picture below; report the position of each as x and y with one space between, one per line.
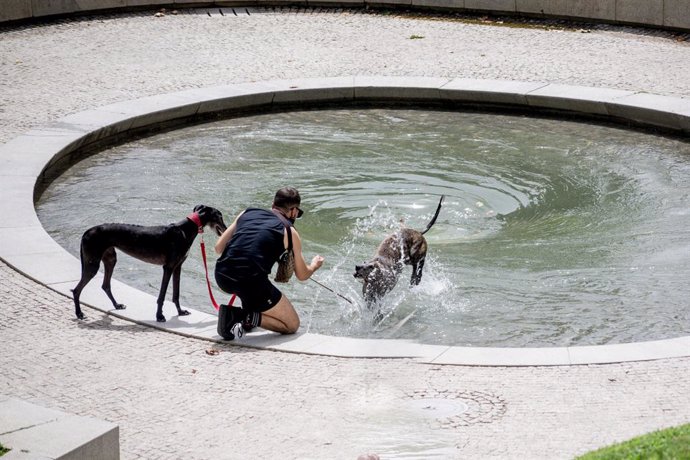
89 268
109 261
417 272
167 273
176 290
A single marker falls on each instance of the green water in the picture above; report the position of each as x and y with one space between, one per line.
553 233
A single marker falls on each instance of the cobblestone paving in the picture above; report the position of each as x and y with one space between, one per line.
171 397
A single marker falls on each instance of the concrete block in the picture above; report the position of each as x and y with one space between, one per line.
479 356
379 348
250 95
640 11
147 2
399 88
54 266
52 7
640 351
594 9
489 91
12 10
18 202
30 153
677 14
231 97
652 110
389 2
97 124
490 5
546 7
449 4
330 3
531 6
316 89
59 138
34 432
574 98
192 2
299 342
155 109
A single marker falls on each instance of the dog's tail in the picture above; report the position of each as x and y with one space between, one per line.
433 220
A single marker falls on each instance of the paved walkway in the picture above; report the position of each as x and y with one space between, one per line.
171 398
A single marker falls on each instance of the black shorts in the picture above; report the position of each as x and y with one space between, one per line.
256 294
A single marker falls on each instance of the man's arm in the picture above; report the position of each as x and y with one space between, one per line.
302 270
227 234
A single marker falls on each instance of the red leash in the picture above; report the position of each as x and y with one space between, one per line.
194 217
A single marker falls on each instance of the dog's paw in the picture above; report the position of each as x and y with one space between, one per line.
120 306
80 315
183 312
160 318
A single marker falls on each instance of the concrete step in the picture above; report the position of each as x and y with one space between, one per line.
34 432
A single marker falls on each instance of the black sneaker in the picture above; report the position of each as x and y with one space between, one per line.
229 325
237 330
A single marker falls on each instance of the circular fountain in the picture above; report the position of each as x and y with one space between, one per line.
552 233
549 236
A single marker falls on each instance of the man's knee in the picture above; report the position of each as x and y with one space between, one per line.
288 316
292 325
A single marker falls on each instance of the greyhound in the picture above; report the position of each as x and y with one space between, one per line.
404 247
165 245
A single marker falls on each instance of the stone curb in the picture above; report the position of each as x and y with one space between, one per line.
37 433
28 161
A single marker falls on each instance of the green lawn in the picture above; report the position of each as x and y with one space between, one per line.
669 444
3 450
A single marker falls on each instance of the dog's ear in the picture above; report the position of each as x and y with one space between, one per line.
200 209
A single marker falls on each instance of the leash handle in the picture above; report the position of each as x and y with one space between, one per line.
208 282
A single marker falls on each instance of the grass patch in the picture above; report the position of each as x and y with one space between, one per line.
3 450
668 444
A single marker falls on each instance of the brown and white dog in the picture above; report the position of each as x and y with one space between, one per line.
404 247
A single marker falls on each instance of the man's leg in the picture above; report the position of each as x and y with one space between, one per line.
282 317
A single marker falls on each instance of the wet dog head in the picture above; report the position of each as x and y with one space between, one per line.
211 217
378 279
364 271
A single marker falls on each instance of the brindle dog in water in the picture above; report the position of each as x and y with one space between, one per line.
404 247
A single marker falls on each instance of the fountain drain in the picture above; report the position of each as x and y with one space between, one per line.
449 409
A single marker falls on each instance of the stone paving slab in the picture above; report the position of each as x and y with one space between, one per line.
35 432
492 92
581 99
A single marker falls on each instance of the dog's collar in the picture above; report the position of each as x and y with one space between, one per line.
194 217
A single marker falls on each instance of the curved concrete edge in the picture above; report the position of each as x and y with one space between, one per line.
669 14
34 432
28 160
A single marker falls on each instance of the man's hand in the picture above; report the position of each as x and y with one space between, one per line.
316 263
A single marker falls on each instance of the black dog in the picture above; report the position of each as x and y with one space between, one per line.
165 245
404 247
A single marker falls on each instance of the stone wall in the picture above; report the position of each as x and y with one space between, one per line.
671 14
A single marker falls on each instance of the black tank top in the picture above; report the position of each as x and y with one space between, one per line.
256 245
